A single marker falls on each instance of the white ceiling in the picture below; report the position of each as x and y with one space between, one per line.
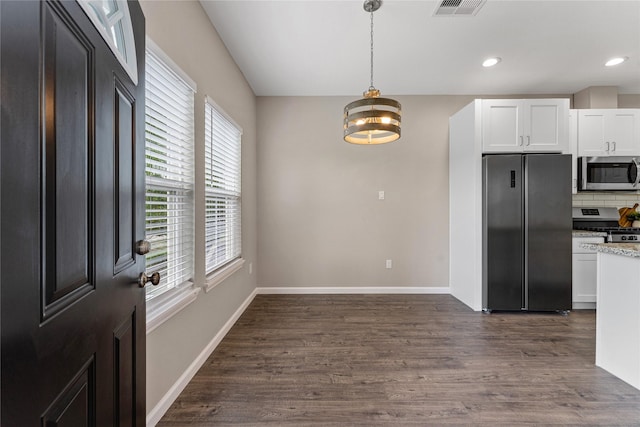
319 48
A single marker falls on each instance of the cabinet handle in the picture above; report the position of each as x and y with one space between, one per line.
614 145
528 140
608 146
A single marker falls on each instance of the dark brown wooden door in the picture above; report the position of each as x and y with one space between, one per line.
72 208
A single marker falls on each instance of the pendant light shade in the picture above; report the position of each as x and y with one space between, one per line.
372 119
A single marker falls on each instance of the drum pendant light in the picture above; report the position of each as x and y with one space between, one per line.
372 119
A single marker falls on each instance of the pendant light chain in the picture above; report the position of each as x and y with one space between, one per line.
371 87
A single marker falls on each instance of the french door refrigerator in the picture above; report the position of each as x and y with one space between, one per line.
526 232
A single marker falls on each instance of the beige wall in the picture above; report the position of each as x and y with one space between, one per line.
596 97
183 31
604 97
321 223
628 101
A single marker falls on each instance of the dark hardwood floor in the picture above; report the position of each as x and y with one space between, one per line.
295 360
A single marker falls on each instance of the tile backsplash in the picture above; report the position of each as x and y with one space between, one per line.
617 199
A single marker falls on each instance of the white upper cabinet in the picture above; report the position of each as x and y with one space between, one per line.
501 123
525 125
613 132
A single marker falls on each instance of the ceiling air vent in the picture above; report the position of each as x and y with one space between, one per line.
458 7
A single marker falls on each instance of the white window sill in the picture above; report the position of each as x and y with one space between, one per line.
163 307
220 275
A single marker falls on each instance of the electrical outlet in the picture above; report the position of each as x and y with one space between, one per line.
389 263
381 195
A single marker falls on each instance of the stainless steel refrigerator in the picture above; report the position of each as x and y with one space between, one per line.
526 232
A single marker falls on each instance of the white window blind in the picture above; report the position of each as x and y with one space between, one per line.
169 134
222 188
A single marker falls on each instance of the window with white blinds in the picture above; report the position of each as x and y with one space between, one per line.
169 132
222 188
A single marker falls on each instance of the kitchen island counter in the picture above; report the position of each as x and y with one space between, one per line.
587 233
618 310
624 249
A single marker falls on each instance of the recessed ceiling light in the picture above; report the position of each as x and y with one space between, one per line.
616 61
490 62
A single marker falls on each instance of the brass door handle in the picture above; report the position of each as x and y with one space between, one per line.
143 279
143 247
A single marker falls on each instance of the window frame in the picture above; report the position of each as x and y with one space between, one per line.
218 272
162 306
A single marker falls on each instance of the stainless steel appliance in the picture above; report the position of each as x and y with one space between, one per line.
526 232
604 219
608 173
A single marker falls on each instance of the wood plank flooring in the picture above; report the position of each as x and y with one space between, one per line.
350 360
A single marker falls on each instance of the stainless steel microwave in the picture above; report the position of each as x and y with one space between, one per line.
609 173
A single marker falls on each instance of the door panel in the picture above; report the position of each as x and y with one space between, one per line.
624 131
67 165
125 177
75 406
543 125
591 133
124 340
501 125
548 228
72 207
502 254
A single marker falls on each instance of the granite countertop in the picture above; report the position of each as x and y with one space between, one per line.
585 233
624 249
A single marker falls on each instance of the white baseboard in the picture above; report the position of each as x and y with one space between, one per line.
154 416
355 290
583 305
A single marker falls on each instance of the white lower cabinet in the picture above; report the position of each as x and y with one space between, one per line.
584 276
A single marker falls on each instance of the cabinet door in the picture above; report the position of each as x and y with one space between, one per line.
503 249
584 272
584 278
623 132
546 125
501 126
591 133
